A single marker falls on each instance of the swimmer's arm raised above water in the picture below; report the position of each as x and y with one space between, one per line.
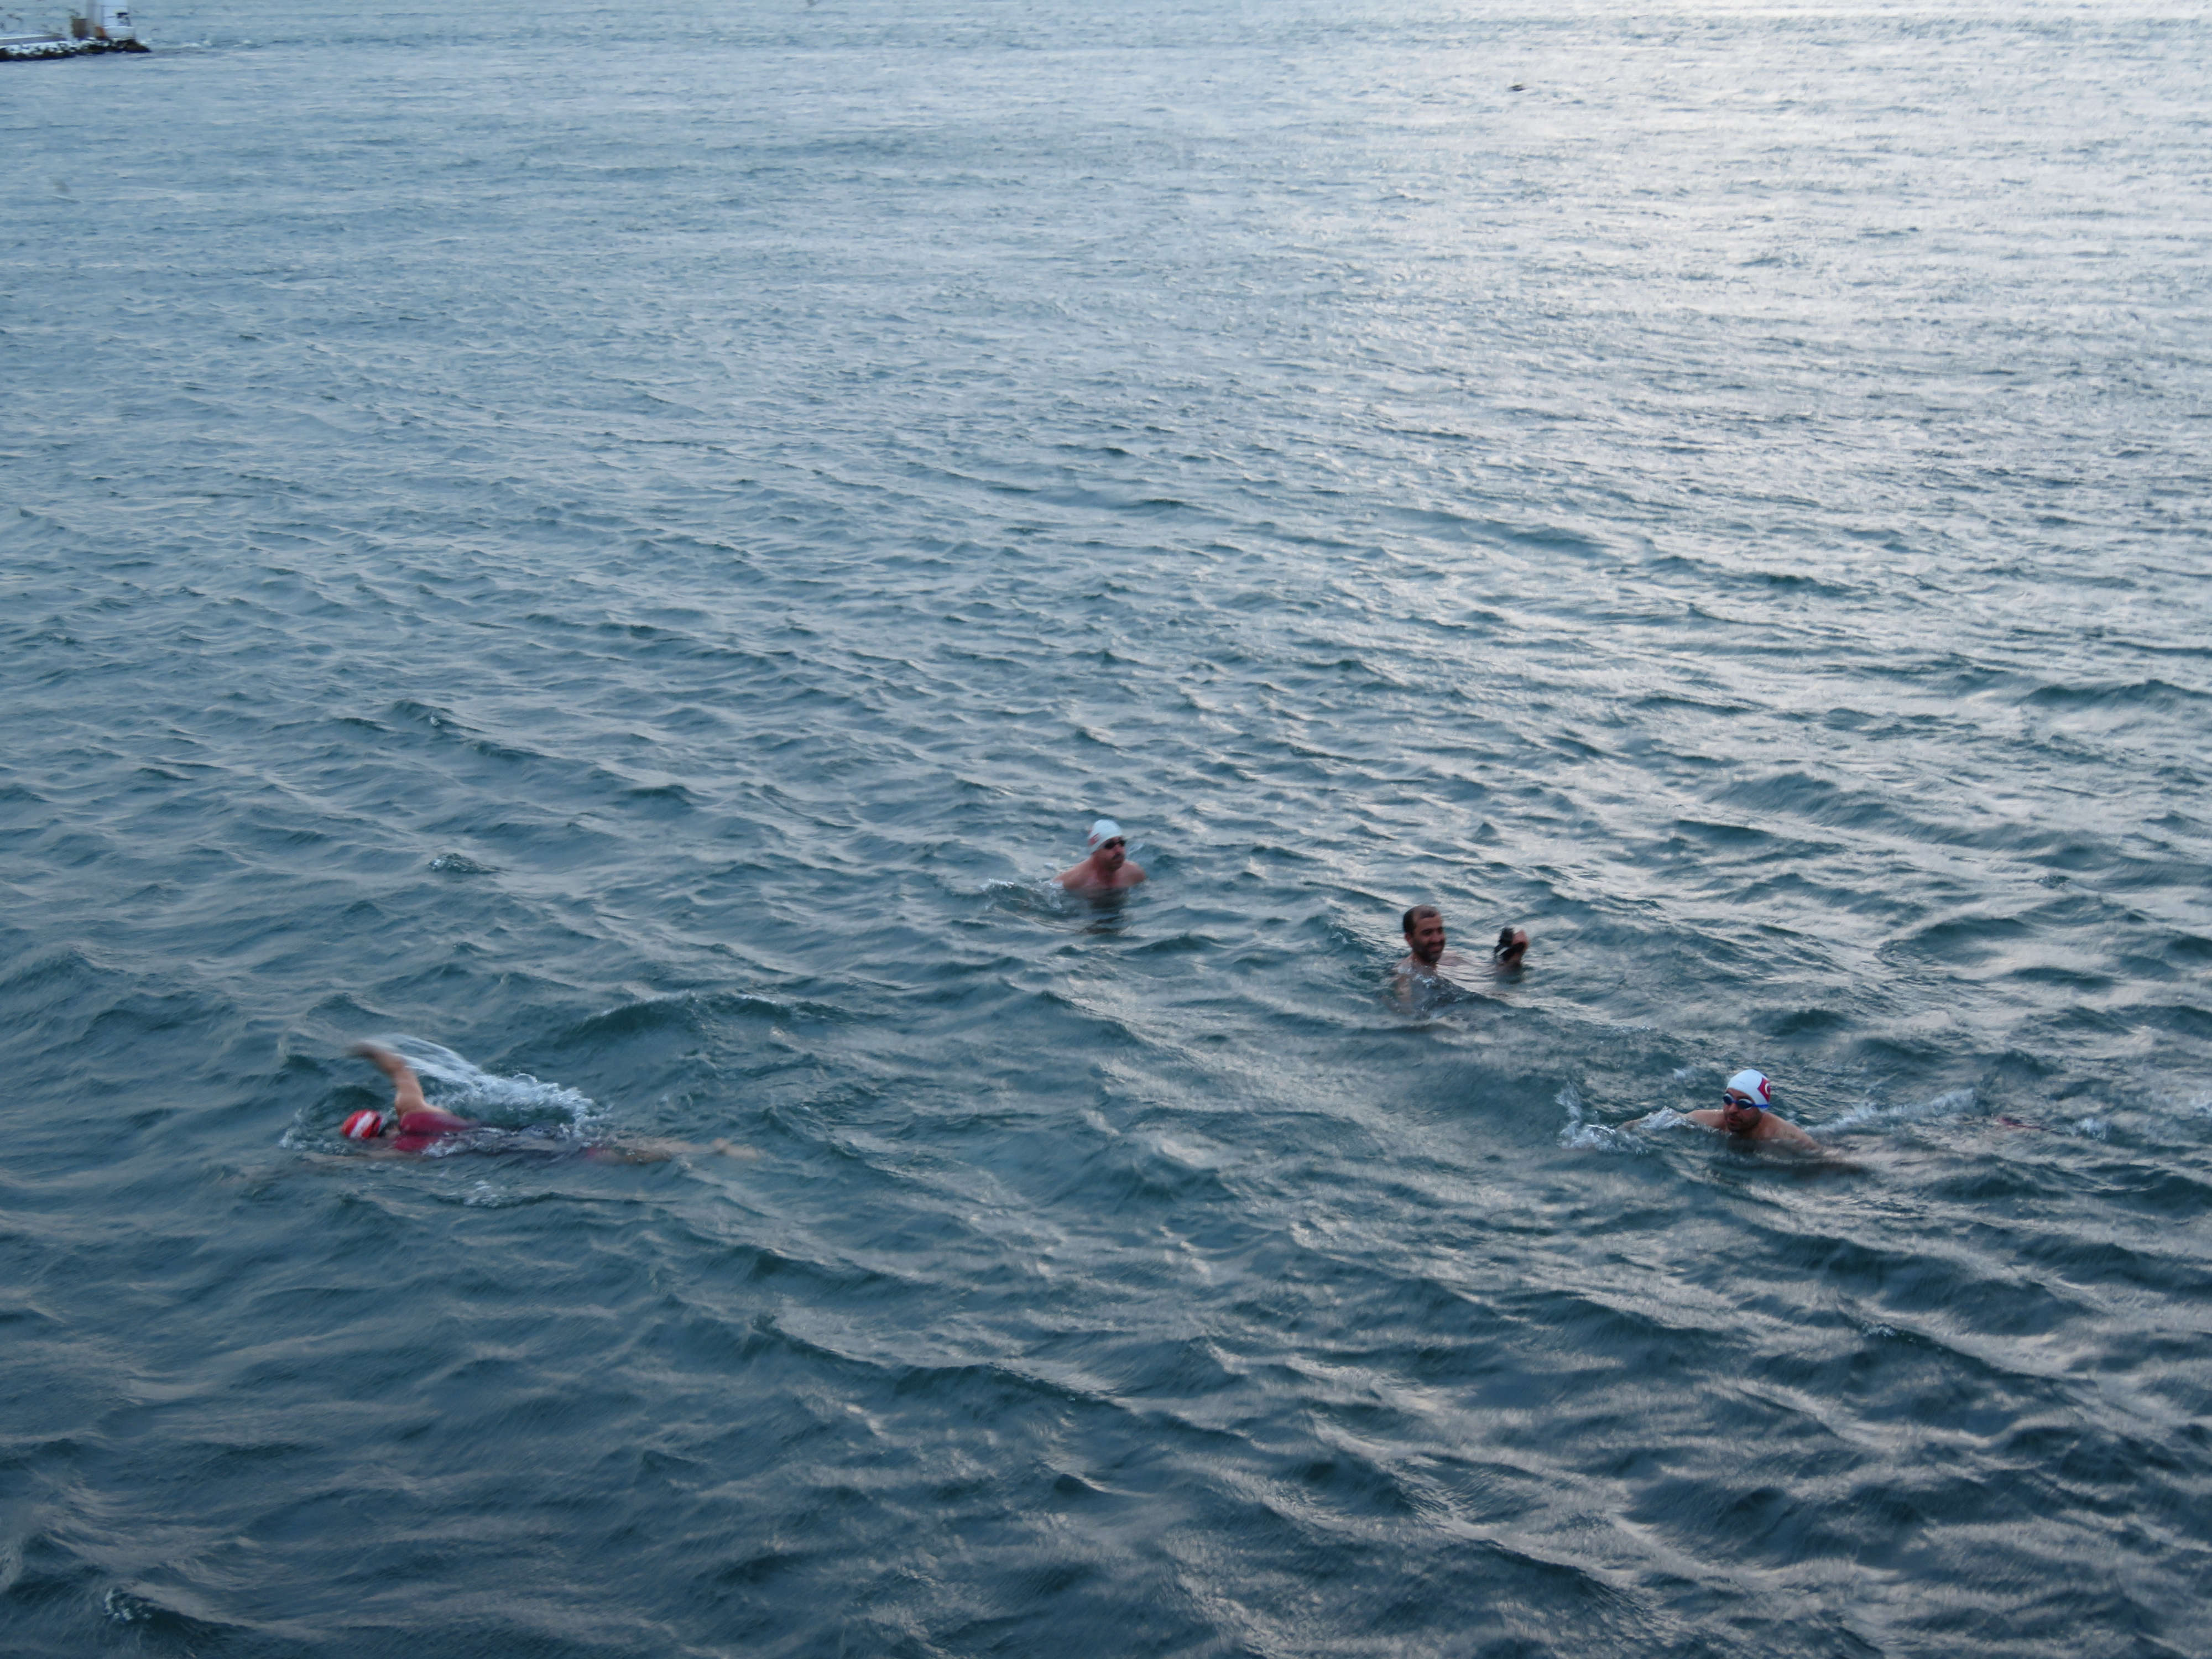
406 1087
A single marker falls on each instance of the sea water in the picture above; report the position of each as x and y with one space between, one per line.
620 549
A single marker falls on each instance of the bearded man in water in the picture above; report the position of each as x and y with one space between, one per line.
1426 961
413 1125
1425 956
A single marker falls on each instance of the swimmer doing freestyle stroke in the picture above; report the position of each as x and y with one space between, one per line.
413 1125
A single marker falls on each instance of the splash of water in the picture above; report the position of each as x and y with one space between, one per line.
1955 1102
1581 1133
470 1091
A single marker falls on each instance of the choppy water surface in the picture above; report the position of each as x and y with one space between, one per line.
623 560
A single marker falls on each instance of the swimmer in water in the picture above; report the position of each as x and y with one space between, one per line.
1426 961
1743 1112
413 1125
1108 869
1425 956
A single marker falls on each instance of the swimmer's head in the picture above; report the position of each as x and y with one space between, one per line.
1512 945
1745 1096
1753 1086
1424 933
1108 844
363 1126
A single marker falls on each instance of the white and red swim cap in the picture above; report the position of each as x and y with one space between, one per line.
1103 831
1753 1084
363 1126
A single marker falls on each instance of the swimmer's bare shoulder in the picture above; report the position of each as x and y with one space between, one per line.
1783 1130
1082 878
1770 1127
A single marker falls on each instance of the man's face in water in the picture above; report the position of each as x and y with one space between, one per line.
1111 855
1739 1113
1426 938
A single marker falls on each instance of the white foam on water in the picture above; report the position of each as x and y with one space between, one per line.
468 1090
1667 1118
1583 1135
460 864
1954 1102
1187 1153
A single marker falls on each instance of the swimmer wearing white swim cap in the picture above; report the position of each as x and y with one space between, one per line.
1745 1112
1108 869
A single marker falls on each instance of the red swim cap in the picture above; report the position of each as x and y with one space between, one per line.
363 1126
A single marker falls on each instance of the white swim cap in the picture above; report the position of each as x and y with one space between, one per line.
1753 1084
1103 831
